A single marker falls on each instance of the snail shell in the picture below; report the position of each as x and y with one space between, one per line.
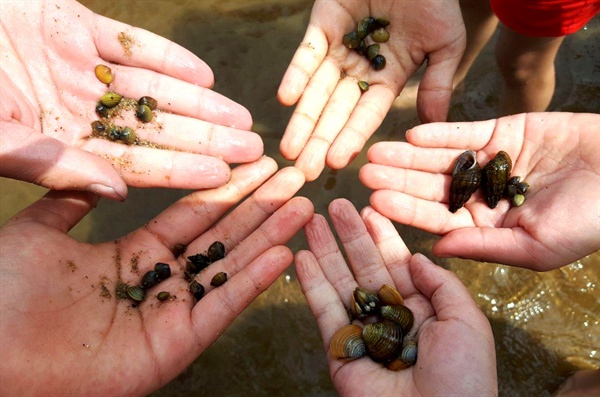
382 22
517 200
110 99
216 251
197 263
163 270
351 40
365 27
466 177
363 85
144 113
101 110
148 101
163 295
400 314
136 293
150 279
380 35
364 302
347 343
389 295
378 62
197 289
104 74
372 51
218 279
128 135
494 177
383 340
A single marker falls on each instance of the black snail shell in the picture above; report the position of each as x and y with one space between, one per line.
378 62
466 177
494 177
347 343
197 263
150 279
383 340
163 270
216 251
351 40
197 289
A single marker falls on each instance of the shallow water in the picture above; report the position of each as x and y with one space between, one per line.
546 324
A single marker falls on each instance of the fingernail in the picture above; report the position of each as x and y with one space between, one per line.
106 191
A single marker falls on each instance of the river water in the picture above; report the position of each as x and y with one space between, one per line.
546 325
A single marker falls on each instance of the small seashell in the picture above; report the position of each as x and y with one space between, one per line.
101 110
110 99
216 251
365 27
389 295
382 22
148 101
347 343
364 302
163 295
197 289
378 62
136 293
128 135
163 270
363 85
372 51
351 40
380 35
150 279
494 177
409 352
362 48
104 74
98 127
518 199
144 113
399 314
466 178
113 133
218 279
383 340
197 263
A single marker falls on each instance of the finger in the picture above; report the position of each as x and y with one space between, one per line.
393 250
58 210
423 185
223 305
405 155
364 257
322 298
278 229
366 118
514 247
148 167
423 214
323 246
181 97
305 62
464 135
33 157
126 45
307 112
191 216
337 111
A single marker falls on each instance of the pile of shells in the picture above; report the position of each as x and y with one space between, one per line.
110 101
199 262
385 340
369 29
151 278
494 178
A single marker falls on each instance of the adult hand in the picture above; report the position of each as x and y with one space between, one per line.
556 153
64 331
333 120
50 91
456 354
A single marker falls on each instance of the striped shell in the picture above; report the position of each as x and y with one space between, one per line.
347 343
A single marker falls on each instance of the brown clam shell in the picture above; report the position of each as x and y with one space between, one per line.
383 340
466 177
389 295
399 314
494 177
347 343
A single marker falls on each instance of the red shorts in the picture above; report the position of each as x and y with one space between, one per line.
545 18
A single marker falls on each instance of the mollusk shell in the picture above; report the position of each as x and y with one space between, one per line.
144 113
197 263
197 289
163 270
136 293
148 101
163 295
400 314
218 279
216 251
466 177
347 343
150 279
389 295
494 177
364 302
406 358
104 74
380 35
383 340
110 99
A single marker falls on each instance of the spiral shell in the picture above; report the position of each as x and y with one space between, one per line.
144 113
380 35
104 74
466 177
148 101
218 279
389 295
400 314
197 263
363 85
494 177
372 51
365 27
383 340
197 289
364 302
128 135
347 343
351 40
378 62
216 251
163 270
150 279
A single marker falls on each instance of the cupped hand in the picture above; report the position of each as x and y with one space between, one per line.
49 94
64 330
556 153
456 353
333 120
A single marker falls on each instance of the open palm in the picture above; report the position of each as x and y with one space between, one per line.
332 120
456 353
49 94
66 332
556 153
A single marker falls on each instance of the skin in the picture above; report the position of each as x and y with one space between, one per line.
62 333
556 153
333 120
456 353
49 94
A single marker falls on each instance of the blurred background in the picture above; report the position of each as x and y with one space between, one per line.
546 325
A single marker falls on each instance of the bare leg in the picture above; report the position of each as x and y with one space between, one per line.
527 65
480 24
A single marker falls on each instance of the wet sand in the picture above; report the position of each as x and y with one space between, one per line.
546 325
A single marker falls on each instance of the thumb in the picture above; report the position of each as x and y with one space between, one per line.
33 157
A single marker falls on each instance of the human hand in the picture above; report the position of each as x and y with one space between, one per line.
456 354
64 331
556 153
49 94
333 120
